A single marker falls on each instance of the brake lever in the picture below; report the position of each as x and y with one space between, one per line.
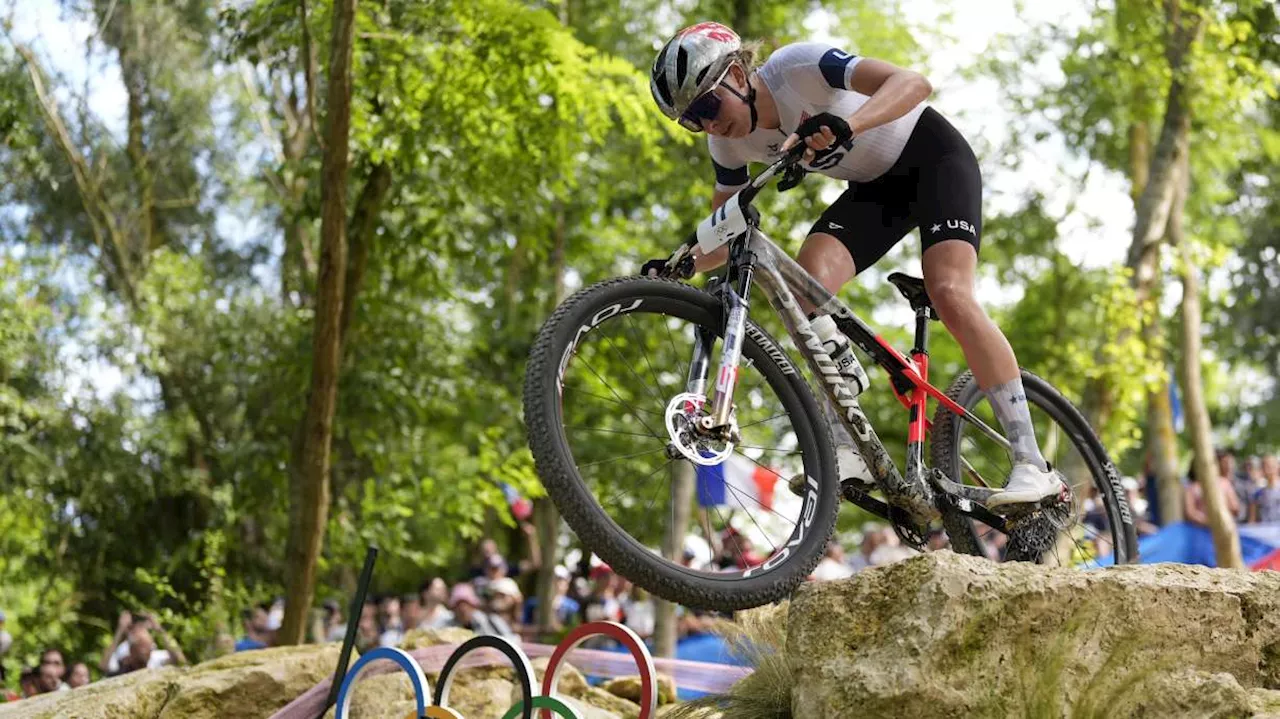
791 177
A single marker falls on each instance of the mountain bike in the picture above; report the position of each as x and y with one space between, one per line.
627 420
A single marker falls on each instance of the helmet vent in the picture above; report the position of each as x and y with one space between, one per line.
660 83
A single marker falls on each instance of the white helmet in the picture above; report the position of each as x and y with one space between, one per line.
691 64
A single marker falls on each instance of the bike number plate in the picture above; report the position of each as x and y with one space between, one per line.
723 225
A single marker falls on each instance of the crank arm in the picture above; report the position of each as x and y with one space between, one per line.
966 499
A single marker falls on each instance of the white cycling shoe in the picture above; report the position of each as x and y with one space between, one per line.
1028 484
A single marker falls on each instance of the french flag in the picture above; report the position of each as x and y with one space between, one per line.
736 482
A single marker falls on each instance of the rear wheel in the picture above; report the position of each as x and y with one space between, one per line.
1095 528
604 415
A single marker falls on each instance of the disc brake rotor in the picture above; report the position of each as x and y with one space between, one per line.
683 412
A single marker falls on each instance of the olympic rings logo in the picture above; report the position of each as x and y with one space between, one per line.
548 702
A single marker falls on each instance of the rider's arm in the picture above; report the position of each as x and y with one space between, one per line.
701 262
817 72
893 92
731 176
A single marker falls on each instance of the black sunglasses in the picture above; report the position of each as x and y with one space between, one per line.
705 107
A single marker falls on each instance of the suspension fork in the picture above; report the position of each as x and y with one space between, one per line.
741 268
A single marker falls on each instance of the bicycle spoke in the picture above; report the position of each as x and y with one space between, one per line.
618 491
615 394
652 391
771 450
762 421
644 355
614 401
737 493
675 352
773 548
616 459
615 431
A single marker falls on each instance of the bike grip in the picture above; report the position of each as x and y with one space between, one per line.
796 153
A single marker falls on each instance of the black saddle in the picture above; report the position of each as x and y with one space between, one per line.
913 289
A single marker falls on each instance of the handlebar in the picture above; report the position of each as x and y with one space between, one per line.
680 263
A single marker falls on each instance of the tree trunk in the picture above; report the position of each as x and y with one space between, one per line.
665 635
364 224
1156 197
311 463
1226 543
1162 443
546 515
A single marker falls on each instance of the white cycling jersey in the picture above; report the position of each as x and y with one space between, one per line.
808 79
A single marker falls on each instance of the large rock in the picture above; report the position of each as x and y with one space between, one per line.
630 688
946 635
246 684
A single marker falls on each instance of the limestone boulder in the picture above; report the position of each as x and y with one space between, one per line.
630 687
947 635
246 684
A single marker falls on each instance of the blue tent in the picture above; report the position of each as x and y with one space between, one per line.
1186 543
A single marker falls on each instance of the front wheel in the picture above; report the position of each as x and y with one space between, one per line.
1095 529
607 407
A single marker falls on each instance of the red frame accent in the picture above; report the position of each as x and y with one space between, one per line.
912 371
919 402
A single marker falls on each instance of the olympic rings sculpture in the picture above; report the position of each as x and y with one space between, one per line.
547 702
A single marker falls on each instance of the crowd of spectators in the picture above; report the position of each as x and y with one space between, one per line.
133 647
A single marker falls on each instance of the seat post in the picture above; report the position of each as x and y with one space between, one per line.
923 315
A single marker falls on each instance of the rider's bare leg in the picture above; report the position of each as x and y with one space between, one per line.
827 259
949 269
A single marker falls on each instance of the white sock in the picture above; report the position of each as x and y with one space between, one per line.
1009 401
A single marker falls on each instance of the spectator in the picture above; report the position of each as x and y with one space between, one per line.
1239 483
602 604
256 634
890 548
411 611
1140 508
29 683
79 675
871 537
6 641
1253 474
1265 503
52 658
367 631
133 647
833 565
1193 497
143 653
495 568
467 613
435 595
392 624
937 539
275 618
565 607
334 629
488 550
737 551
640 612
504 601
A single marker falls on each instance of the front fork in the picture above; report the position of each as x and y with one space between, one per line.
720 414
